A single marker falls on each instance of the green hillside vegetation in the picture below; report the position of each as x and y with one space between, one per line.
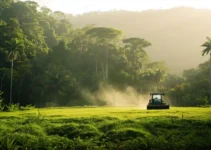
63 79
46 61
176 34
106 128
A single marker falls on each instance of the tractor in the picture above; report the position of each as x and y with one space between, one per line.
156 101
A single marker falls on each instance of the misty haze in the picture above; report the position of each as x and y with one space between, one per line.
176 34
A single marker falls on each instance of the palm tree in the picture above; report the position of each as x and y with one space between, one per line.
57 83
206 51
13 46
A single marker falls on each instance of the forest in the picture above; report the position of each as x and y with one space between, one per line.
46 61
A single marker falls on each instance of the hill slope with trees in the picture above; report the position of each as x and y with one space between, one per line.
176 34
45 61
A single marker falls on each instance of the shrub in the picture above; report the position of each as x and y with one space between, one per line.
14 107
27 107
51 104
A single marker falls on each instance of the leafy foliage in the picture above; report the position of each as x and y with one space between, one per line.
54 62
58 60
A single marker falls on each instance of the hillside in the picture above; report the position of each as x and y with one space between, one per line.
176 34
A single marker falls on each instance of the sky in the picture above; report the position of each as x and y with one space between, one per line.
82 6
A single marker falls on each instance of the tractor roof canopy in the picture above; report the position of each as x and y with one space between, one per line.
156 93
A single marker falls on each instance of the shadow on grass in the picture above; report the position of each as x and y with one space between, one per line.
84 120
73 130
9 117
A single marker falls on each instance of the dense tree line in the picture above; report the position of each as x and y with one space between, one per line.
43 60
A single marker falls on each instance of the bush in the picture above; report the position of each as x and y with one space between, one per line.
14 107
51 104
27 107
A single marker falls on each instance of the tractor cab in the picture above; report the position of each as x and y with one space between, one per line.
156 101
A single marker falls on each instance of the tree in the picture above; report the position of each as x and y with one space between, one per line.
154 78
13 46
55 85
46 10
80 55
207 50
59 15
3 72
136 54
104 39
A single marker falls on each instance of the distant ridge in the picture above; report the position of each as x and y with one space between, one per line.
176 34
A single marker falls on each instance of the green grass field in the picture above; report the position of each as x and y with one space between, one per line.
119 128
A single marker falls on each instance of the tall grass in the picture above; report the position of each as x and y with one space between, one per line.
106 128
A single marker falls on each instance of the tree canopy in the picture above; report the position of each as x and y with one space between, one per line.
57 61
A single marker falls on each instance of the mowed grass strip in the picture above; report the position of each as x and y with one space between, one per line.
120 112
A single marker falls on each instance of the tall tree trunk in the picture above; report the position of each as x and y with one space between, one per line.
55 98
19 92
107 68
210 81
103 70
133 67
82 57
41 97
2 78
96 66
11 80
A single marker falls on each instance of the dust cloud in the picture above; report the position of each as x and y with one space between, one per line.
111 96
